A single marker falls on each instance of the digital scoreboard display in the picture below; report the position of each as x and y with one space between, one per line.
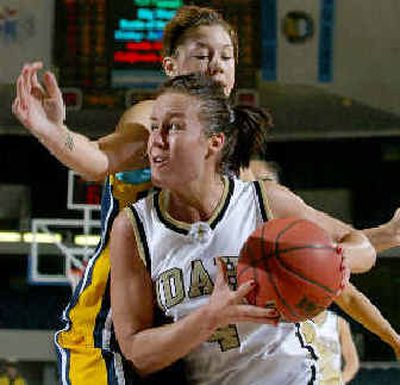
107 47
137 32
81 45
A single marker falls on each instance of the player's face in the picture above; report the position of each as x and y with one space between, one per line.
177 146
206 49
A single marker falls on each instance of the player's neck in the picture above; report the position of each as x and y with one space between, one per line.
197 204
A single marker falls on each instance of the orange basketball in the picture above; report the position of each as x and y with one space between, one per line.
296 267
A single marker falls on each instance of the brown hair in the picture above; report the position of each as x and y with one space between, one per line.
189 17
245 127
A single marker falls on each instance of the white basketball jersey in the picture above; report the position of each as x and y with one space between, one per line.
327 343
181 257
324 336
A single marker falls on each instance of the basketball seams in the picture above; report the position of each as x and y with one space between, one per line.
270 277
277 254
299 275
315 247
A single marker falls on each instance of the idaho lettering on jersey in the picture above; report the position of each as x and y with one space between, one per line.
200 280
170 285
170 289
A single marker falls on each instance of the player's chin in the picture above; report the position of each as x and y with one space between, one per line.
163 180
158 181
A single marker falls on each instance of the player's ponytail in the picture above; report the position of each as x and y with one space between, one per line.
245 127
248 136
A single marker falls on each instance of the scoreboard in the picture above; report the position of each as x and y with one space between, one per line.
106 47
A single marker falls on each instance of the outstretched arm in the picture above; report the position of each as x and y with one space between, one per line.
40 109
357 250
359 307
387 235
349 352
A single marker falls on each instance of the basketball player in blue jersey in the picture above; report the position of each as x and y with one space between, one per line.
197 39
180 231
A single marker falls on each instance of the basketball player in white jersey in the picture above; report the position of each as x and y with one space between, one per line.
352 301
178 232
121 149
338 357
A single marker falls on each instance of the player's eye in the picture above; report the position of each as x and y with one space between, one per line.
201 56
174 127
153 127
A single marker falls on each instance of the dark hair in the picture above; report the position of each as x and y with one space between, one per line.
245 127
189 17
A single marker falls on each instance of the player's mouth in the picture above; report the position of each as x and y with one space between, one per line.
158 160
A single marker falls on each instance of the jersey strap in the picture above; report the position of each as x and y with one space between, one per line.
140 235
266 212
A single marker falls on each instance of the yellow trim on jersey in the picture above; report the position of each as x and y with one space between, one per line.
163 203
85 361
84 357
136 232
127 193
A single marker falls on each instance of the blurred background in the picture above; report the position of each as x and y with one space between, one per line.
327 70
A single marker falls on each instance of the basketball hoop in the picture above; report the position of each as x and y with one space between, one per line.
82 196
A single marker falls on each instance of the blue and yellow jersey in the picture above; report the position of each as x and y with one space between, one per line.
86 347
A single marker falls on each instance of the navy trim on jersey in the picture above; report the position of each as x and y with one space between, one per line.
109 361
142 235
311 350
185 231
261 200
109 210
101 319
63 371
231 186
164 221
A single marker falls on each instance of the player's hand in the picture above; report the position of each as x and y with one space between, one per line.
227 306
37 106
344 267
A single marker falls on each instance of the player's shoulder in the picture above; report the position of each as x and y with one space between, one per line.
277 191
138 113
282 201
143 107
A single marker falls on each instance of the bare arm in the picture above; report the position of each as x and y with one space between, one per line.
153 348
359 307
349 352
358 252
387 235
40 109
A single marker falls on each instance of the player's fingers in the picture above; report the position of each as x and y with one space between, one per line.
26 76
21 92
256 314
244 289
52 88
15 107
36 65
344 268
37 88
221 273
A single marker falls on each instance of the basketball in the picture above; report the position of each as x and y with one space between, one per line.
296 267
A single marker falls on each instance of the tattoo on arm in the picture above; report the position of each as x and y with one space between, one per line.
69 141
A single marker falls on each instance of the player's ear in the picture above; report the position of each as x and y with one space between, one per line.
215 143
170 67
